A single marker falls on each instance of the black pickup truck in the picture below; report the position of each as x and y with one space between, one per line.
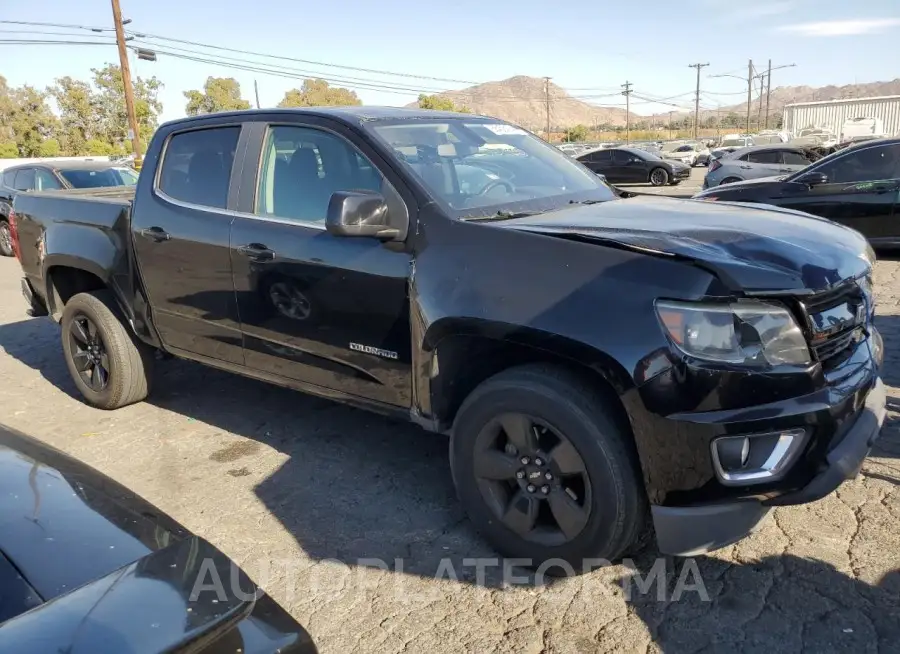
596 362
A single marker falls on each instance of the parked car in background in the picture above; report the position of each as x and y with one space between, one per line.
858 186
815 137
88 566
692 154
737 141
757 161
770 137
55 175
862 128
633 166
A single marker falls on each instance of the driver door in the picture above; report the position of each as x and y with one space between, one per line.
626 170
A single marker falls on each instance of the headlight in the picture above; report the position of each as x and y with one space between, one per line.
751 333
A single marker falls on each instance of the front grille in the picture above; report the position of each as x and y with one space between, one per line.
836 322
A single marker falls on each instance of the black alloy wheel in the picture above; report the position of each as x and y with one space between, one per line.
533 479
659 177
88 353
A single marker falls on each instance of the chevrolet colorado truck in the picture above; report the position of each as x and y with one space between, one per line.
597 363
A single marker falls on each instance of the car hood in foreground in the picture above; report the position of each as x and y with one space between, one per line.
102 570
752 249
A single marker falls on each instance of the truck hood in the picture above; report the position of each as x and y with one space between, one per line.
752 249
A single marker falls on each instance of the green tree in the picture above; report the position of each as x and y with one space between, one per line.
49 148
98 147
78 114
218 94
32 121
8 150
576 134
317 93
440 103
109 103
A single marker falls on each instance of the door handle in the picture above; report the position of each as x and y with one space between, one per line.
257 252
157 234
884 189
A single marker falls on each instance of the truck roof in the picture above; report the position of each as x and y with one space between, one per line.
351 113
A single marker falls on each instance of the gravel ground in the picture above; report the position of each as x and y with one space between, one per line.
307 495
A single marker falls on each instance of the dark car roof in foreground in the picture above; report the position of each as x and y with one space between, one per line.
346 114
113 573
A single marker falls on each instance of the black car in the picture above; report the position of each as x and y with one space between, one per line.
55 175
596 363
635 166
87 566
858 186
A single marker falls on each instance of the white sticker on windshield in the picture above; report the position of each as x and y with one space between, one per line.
504 130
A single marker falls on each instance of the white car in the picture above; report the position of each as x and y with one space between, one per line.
692 154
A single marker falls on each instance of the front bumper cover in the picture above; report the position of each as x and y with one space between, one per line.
693 530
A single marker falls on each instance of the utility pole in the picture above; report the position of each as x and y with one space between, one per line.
670 124
256 91
762 77
749 91
768 91
547 103
697 96
627 93
126 82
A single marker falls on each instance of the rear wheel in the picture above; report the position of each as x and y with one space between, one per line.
729 180
6 248
544 471
108 364
659 177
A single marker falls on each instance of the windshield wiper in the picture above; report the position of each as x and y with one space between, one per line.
503 215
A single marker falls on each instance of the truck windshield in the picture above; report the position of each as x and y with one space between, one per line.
475 166
95 178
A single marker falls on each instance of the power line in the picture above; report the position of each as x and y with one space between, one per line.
60 25
49 42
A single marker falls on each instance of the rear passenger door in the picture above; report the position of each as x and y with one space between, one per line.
315 308
180 230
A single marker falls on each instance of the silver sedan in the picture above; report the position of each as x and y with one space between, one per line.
757 161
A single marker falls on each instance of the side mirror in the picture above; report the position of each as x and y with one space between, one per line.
812 178
359 213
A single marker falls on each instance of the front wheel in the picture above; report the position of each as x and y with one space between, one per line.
6 247
108 364
659 177
544 470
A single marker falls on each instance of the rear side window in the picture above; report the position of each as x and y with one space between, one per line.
602 156
24 180
197 166
765 157
795 158
9 178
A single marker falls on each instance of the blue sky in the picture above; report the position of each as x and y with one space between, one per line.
588 46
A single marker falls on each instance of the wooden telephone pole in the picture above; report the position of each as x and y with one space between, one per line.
627 93
126 82
697 97
547 105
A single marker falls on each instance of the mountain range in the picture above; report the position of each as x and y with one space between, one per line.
523 100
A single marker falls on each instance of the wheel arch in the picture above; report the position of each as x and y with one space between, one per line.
462 354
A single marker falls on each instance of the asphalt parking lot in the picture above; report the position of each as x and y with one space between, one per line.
685 189
349 520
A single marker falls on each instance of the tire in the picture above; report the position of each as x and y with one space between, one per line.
127 361
6 248
659 177
729 180
612 497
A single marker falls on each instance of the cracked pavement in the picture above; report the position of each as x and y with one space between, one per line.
301 492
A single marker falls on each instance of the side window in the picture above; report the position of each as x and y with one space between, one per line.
24 180
197 166
9 179
869 164
621 158
602 156
302 167
765 157
45 181
795 158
